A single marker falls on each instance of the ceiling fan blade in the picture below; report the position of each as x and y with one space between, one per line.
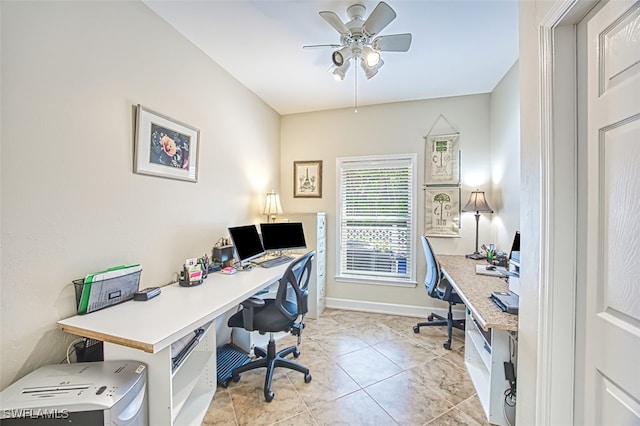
392 43
315 46
335 22
381 16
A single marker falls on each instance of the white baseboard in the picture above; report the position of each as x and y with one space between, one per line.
391 308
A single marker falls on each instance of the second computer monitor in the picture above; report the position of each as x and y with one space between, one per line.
247 242
282 236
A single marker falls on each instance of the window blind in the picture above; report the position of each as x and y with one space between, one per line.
376 218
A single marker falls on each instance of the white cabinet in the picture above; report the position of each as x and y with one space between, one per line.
485 353
315 233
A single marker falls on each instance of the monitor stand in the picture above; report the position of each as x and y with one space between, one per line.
247 266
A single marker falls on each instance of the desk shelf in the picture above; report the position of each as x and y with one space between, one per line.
482 347
185 380
485 363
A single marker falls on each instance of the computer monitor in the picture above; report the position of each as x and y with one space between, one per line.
247 242
515 247
282 236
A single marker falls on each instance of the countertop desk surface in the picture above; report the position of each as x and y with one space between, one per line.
475 289
145 331
153 325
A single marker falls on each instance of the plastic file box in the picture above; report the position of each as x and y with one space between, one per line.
106 288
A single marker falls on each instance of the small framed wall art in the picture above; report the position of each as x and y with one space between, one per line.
307 179
442 160
165 147
442 212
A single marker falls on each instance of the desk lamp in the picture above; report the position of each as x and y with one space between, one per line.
272 206
477 203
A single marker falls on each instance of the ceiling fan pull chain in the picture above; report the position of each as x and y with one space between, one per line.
355 71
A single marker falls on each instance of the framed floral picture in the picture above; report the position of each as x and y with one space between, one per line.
165 147
307 179
442 212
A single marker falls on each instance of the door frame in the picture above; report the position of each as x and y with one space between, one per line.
560 300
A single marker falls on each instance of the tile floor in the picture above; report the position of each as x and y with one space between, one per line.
367 369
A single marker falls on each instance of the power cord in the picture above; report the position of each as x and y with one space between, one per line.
510 376
81 339
509 401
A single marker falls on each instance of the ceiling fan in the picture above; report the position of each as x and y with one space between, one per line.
358 39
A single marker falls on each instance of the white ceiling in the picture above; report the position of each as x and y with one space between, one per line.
459 47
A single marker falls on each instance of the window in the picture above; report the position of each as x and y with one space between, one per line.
376 218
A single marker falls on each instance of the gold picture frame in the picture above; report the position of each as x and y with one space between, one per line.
307 179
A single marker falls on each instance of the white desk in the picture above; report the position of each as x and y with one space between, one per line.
144 331
488 331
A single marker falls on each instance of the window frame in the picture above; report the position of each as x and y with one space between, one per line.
411 161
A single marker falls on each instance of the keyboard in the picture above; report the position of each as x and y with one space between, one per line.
275 261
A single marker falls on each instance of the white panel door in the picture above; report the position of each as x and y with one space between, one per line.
612 358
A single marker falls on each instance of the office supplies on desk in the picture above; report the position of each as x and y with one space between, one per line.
494 271
222 255
192 274
146 294
228 270
105 288
506 301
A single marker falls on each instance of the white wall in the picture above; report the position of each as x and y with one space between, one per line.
71 72
505 159
400 128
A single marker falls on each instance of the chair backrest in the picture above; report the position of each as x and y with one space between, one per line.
294 287
437 286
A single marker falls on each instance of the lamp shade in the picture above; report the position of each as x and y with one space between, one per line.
477 203
272 204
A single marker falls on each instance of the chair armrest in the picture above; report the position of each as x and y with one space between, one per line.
248 306
253 302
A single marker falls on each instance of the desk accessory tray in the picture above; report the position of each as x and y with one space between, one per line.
106 288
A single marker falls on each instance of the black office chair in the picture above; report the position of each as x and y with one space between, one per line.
275 315
439 287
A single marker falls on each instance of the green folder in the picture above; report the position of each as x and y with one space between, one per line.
96 277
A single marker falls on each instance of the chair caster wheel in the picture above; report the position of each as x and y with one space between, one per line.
430 318
268 396
447 345
236 378
416 329
307 377
296 353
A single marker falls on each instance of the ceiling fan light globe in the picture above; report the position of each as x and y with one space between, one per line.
337 59
341 56
373 58
370 71
339 72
